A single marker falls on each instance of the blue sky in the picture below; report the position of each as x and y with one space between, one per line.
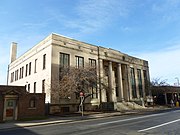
149 29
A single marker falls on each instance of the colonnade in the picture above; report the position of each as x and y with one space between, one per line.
123 83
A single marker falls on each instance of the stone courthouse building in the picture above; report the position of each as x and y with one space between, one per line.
127 77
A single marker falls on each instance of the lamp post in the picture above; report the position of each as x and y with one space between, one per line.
177 80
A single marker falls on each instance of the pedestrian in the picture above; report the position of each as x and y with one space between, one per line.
172 103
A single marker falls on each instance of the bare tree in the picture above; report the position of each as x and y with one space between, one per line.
159 82
74 80
158 87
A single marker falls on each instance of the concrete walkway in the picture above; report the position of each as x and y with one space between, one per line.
72 118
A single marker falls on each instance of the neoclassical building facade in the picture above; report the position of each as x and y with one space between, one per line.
127 77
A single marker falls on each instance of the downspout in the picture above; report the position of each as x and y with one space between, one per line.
7 75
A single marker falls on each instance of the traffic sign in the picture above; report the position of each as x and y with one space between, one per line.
81 94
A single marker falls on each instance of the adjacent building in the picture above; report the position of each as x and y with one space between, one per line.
127 77
16 103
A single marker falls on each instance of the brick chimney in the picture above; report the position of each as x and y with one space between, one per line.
13 52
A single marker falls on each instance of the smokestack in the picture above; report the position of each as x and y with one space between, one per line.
13 52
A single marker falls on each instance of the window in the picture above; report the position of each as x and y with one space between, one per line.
140 82
30 68
64 60
79 62
34 87
35 65
26 69
133 83
28 87
94 92
43 86
63 63
146 83
44 61
32 102
12 77
92 63
22 72
16 75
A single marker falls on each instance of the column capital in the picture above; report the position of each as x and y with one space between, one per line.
119 64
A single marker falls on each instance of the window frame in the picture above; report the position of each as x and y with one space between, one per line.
44 61
78 58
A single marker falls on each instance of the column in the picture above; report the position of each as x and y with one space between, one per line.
112 94
148 79
143 84
136 82
102 91
129 83
120 83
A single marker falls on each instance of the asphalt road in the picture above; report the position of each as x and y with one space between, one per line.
164 123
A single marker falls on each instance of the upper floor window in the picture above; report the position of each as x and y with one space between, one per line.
64 60
35 66
34 87
16 75
44 61
26 70
30 68
79 61
12 77
15 78
22 72
92 63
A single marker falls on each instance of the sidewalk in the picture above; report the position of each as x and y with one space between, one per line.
72 118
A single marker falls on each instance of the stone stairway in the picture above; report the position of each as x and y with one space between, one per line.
124 106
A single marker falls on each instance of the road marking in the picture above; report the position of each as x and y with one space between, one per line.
159 125
147 116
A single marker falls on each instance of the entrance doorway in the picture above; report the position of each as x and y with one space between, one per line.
10 111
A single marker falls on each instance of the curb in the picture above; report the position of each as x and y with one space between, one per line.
79 118
21 125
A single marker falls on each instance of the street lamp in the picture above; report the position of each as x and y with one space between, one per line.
177 80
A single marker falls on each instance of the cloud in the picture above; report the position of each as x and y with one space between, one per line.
164 63
93 15
34 26
96 14
167 9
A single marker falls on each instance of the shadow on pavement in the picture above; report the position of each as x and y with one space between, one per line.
16 130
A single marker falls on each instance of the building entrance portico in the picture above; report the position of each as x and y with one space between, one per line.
116 78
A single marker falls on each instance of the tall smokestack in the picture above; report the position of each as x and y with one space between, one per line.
13 52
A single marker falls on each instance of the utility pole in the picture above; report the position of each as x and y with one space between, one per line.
177 80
